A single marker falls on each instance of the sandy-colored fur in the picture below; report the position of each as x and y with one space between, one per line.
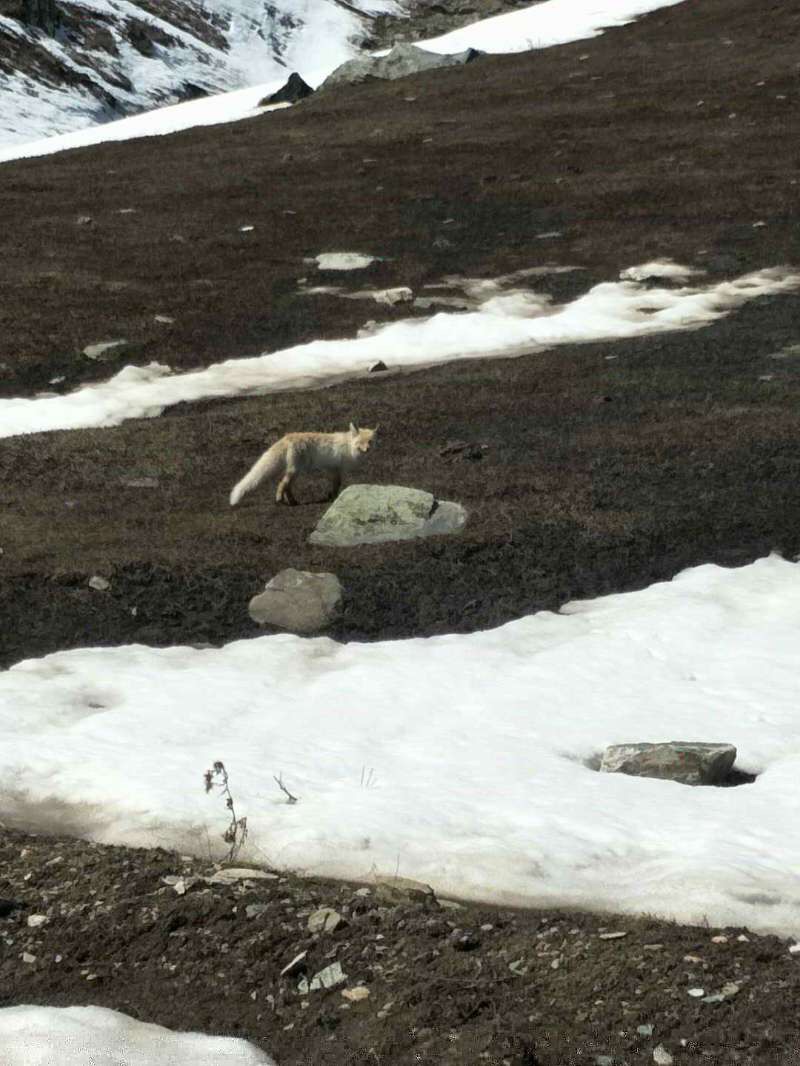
302 453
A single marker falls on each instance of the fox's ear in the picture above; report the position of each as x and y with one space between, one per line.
353 430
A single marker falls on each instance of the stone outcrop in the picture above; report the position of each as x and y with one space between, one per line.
404 59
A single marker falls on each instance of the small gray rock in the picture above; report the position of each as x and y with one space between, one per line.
299 601
103 350
255 910
690 763
402 890
324 920
232 875
329 977
373 514
99 584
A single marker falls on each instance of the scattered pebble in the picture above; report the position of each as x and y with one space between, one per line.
329 977
296 966
661 1056
696 992
324 920
103 349
230 875
354 995
613 936
644 1030
36 920
99 584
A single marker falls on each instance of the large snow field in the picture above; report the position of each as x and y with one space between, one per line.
324 41
262 46
510 322
458 760
95 1036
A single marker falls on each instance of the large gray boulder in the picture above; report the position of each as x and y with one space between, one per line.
371 514
402 60
299 601
690 763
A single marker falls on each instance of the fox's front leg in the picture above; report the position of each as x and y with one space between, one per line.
336 484
284 493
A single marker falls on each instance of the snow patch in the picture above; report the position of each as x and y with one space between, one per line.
505 324
517 818
343 260
96 1036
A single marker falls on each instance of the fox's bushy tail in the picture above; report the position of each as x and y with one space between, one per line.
268 464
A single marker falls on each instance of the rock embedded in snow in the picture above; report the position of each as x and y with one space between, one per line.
298 601
402 60
374 514
391 297
689 763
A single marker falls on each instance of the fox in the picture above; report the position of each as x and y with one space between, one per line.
301 453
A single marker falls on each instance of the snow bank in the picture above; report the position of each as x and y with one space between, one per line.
544 25
508 323
459 760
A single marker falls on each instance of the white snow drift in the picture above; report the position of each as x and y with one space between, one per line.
544 25
476 744
323 41
95 1036
510 323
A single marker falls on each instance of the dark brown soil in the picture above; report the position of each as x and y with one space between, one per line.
599 474
466 985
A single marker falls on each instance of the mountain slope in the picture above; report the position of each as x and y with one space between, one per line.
65 64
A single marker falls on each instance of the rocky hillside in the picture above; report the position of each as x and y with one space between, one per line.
69 63
66 64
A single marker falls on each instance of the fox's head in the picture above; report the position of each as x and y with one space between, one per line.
361 439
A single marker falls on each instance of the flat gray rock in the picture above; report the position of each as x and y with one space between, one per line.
104 350
402 60
690 762
373 514
299 601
